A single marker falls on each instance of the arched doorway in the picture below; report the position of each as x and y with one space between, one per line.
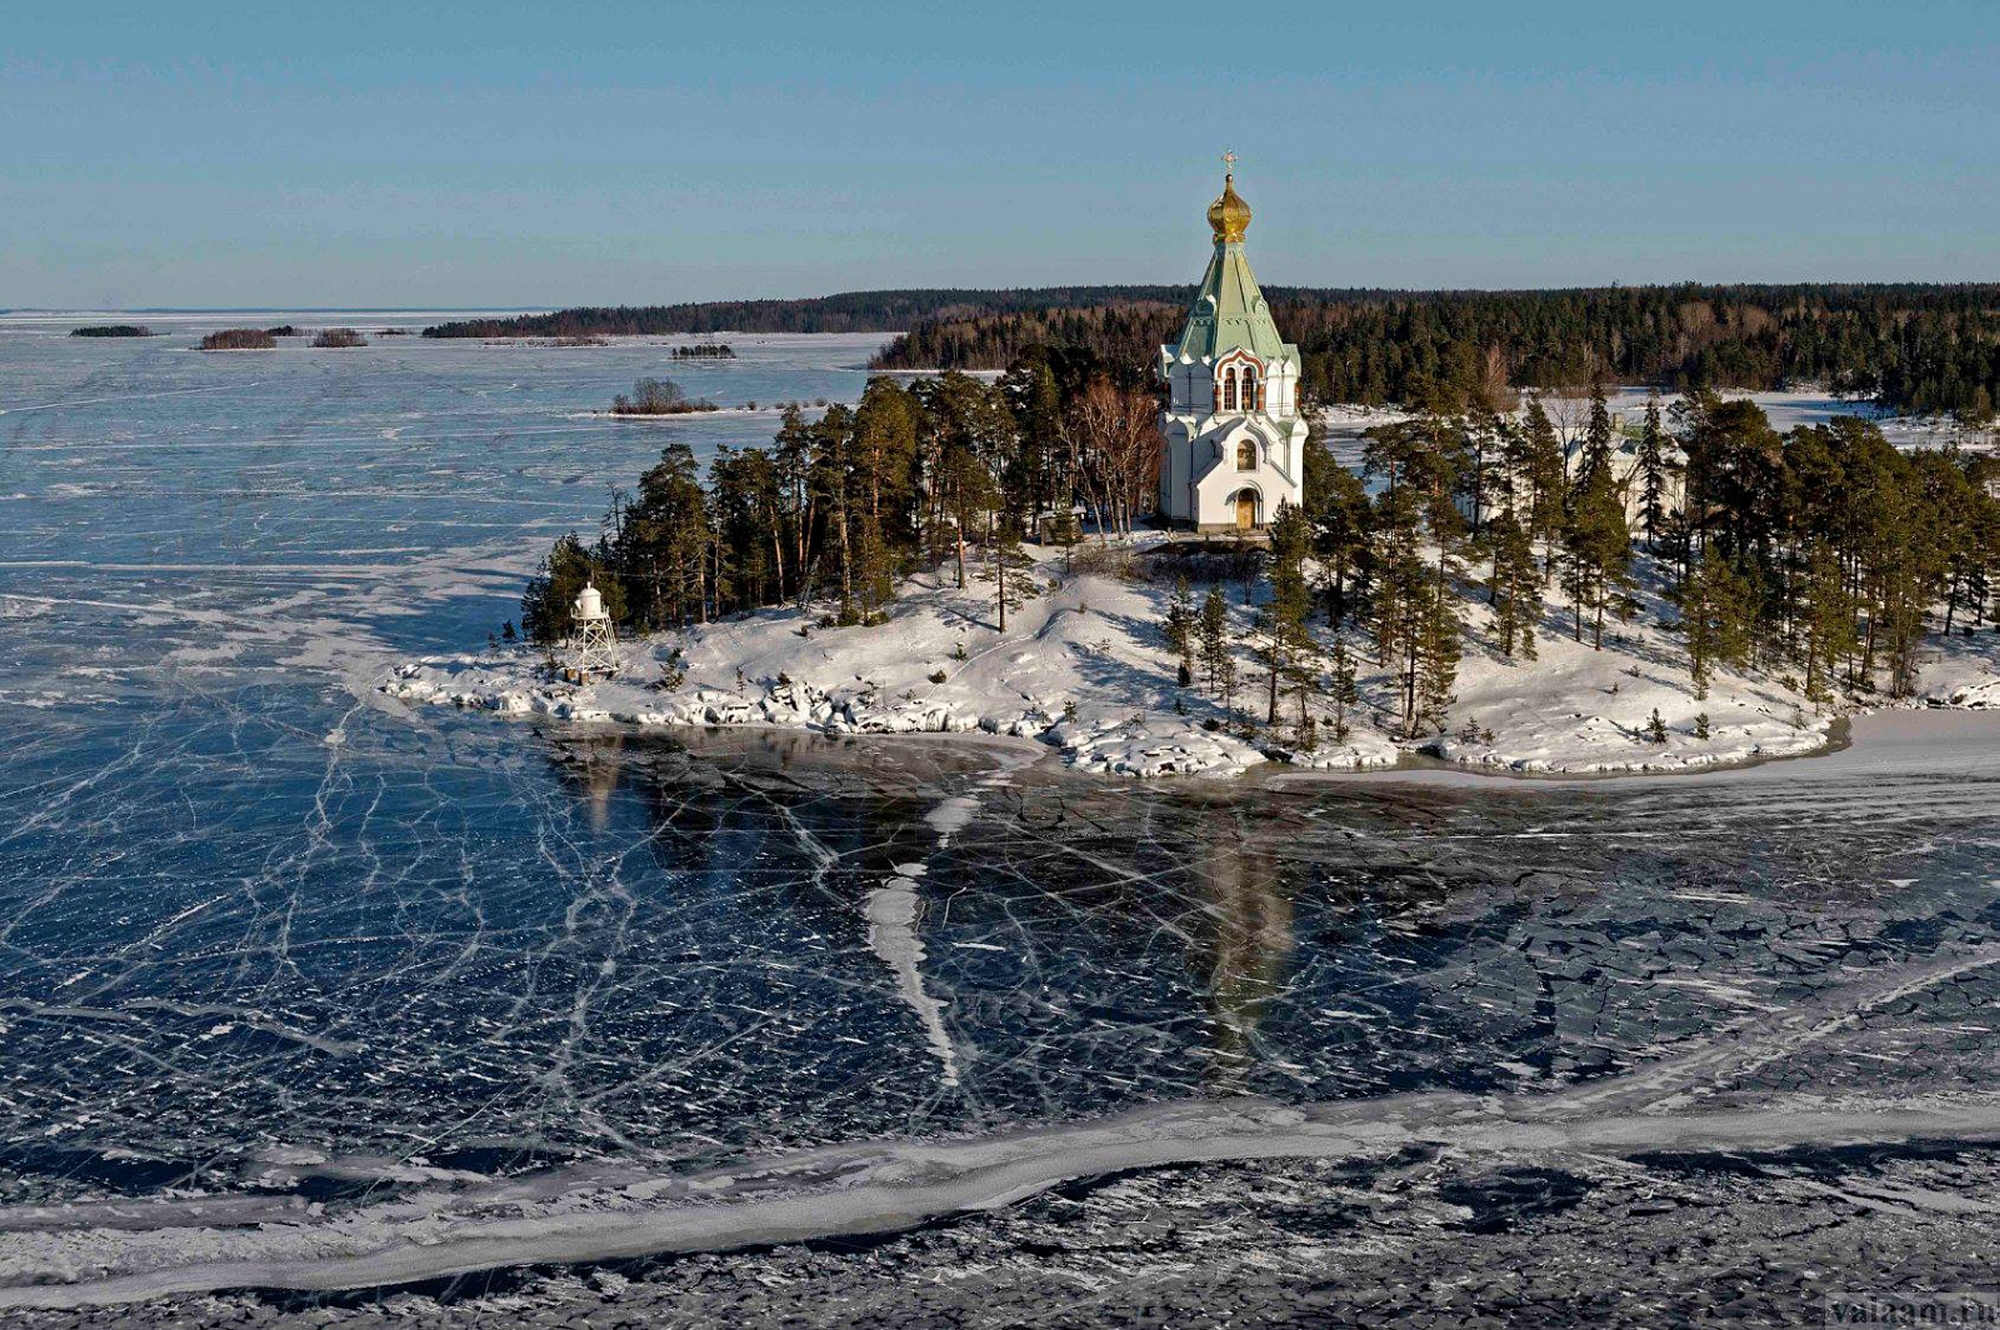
1246 509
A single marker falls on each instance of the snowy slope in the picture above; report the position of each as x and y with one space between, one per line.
1574 709
1086 668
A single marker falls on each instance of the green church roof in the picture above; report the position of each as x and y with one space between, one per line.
1229 312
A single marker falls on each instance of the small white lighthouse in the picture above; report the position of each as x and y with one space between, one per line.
593 645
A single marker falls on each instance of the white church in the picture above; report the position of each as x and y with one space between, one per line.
1235 439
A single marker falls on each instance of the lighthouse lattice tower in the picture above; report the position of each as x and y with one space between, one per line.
593 645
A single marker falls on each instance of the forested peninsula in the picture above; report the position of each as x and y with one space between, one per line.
851 312
1919 348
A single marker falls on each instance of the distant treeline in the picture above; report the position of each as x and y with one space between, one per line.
112 330
1922 348
853 311
1928 348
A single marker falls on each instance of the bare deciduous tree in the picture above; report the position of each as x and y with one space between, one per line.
1113 438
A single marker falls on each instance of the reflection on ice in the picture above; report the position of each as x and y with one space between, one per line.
892 936
1245 936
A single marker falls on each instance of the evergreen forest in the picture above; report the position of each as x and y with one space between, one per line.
1920 348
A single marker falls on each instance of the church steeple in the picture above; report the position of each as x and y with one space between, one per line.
1228 310
1229 215
1235 439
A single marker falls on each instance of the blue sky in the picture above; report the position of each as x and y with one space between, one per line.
362 154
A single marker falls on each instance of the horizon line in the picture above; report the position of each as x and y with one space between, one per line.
554 307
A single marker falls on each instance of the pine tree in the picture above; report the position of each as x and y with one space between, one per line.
971 495
546 606
1213 632
1282 622
884 454
663 544
1827 620
1436 656
1597 549
1033 395
1181 624
1305 679
1008 567
832 478
1488 487
1537 459
874 570
1423 462
1715 610
965 439
1652 468
1596 456
1346 692
1337 508
1515 588
792 459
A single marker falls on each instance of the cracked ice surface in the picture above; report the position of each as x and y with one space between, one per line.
624 949
291 978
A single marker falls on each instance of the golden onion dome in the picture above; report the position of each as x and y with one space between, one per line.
1229 215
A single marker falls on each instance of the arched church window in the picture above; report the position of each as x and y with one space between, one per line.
1229 389
1250 402
1246 455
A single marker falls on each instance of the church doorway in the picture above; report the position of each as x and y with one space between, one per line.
1246 510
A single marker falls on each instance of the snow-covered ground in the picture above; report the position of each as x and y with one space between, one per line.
1085 667
1787 410
1575 709
1963 673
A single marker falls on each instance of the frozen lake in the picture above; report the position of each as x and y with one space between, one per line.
301 989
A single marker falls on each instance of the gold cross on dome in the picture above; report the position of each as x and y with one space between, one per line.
1229 161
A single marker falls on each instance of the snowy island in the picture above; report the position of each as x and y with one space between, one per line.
1087 668
1504 575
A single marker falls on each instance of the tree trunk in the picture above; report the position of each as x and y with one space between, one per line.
1410 688
999 558
846 563
778 551
1868 645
